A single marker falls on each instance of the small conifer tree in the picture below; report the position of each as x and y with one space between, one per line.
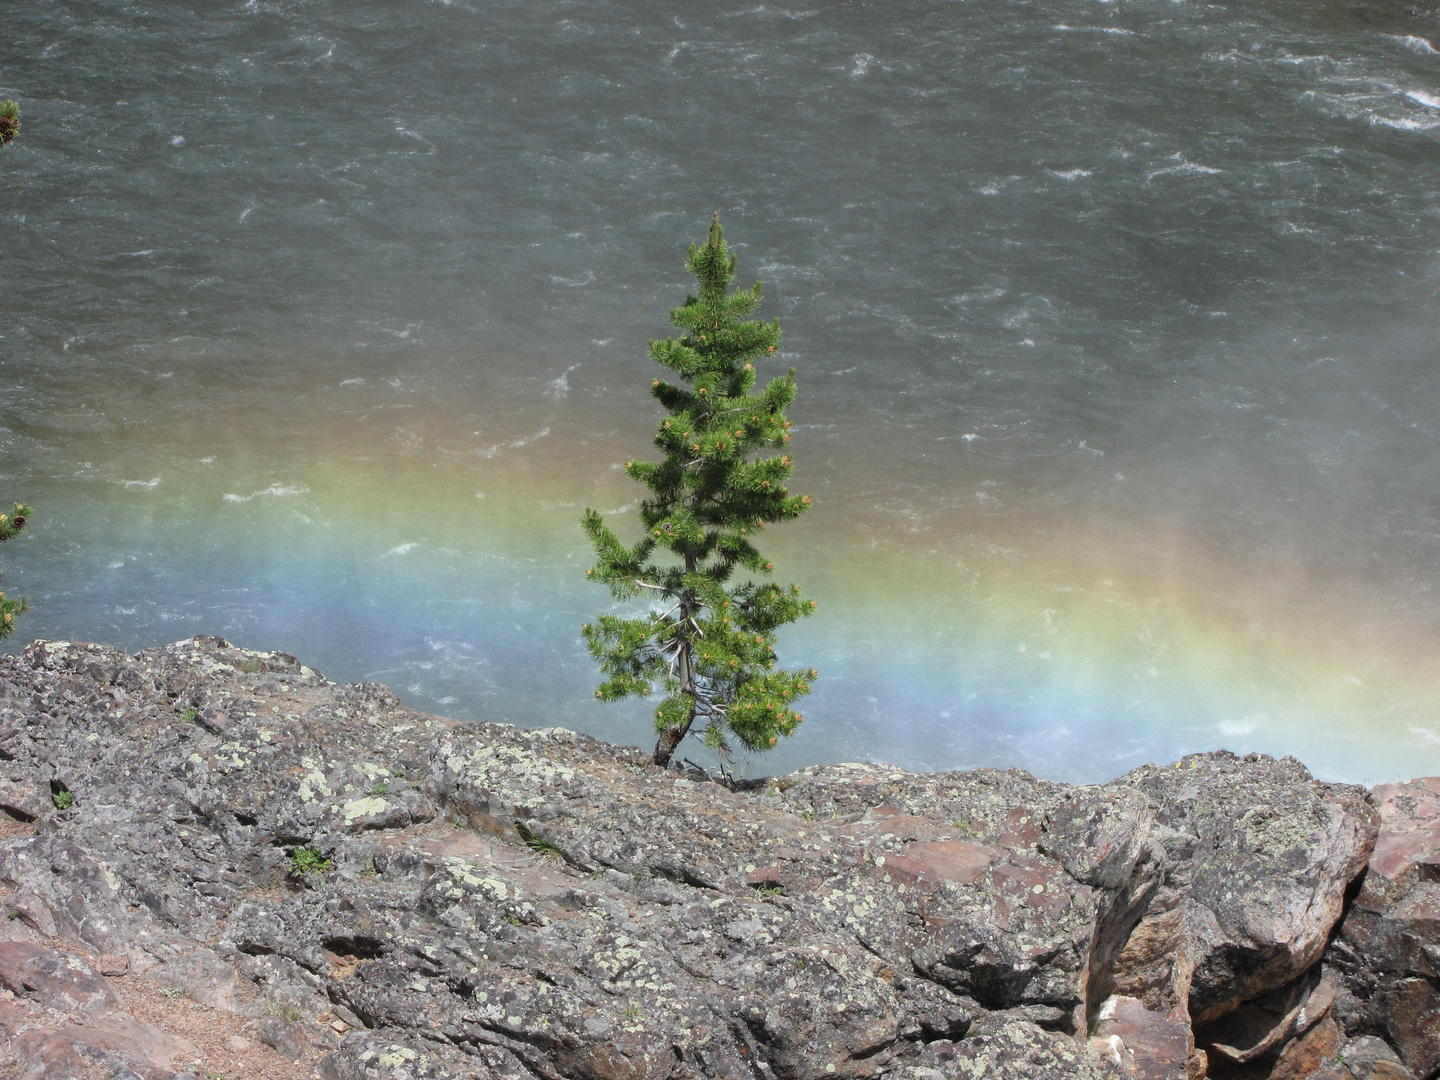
708 644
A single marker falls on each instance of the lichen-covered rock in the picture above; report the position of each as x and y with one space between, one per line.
1387 953
1370 1058
1265 856
1017 1051
364 1055
475 900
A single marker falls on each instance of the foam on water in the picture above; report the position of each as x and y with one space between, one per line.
1418 44
1405 123
279 491
1098 29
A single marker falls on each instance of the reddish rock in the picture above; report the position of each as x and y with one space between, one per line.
33 912
1148 1045
1411 1008
765 875
55 979
1310 1054
888 823
118 1041
1261 1029
1388 948
959 861
66 1020
1408 849
1022 828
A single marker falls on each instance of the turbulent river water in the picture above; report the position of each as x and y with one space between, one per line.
1114 325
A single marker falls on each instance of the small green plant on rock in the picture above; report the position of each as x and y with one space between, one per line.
380 787
308 860
63 800
541 846
281 1010
252 667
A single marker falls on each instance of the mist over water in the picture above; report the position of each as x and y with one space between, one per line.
1114 325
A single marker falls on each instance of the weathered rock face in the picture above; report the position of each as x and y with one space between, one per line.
65 1020
481 901
1387 953
1263 857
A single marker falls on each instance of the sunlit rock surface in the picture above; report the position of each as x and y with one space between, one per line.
478 900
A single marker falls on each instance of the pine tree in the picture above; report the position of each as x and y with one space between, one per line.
708 643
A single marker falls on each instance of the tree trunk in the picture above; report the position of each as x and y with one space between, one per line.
670 738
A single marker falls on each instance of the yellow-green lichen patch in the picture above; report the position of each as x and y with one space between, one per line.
313 781
369 806
396 1056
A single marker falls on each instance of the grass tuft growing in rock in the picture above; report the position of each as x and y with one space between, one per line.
538 844
282 1011
308 860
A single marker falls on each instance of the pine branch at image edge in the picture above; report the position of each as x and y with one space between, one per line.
9 121
708 643
10 610
10 524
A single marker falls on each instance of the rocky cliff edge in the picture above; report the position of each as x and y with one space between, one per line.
377 893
